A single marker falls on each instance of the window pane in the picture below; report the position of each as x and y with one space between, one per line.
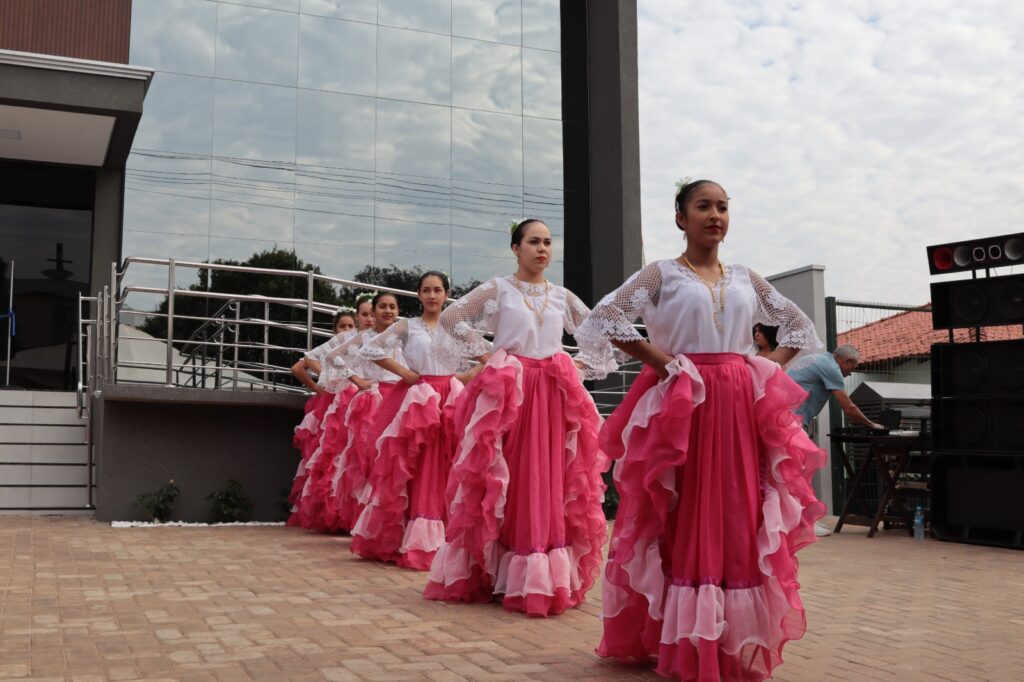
337 55
411 260
343 263
251 182
335 130
241 250
333 191
542 84
285 5
174 35
430 239
412 199
542 24
425 15
484 206
542 152
413 65
355 10
154 245
339 230
547 205
257 45
496 20
414 139
254 121
475 242
487 147
163 193
178 115
467 268
251 220
486 76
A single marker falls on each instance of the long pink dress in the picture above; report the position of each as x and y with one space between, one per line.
415 445
524 517
714 478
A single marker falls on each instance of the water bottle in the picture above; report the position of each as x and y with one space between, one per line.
919 523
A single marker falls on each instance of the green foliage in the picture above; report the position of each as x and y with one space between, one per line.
397 278
230 504
157 506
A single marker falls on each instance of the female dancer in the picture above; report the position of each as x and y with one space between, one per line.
524 495
713 469
413 433
329 432
307 433
345 486
765 340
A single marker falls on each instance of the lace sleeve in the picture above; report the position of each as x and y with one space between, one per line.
384 344
461 326
343 358
795 329
598 358
612 318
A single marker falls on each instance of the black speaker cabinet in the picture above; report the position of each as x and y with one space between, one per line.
978 396
978 499
988 302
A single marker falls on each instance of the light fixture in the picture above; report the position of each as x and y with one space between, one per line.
9 134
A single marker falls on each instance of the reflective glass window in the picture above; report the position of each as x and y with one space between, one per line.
155 245
174 35
470 269
413 65
284 5
253 182
401 235
241 220
496 20
542 84
414 139
424 15
335 261
339 230
547 205
486 76
474 242
337 55
413 199
333 191
486 206
542 153
178 115
411 260
542 24
254 121
241 250
487 147
354 10
166 193
257 45
335 130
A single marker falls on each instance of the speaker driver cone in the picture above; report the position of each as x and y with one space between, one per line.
1011 427
1011 370
1010 302
969 304
969 369
970 424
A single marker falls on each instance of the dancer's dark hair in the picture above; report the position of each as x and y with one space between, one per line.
520 228
434 273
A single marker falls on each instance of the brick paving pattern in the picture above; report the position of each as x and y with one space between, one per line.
80 600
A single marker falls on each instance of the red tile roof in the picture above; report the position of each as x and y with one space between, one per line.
910 334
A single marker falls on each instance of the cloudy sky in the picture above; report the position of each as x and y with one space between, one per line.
849 133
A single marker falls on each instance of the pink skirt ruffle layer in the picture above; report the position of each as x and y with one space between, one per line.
307 438
404 521
525 518
309 498
714 479
348 490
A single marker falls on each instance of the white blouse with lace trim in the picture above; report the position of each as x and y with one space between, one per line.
345 358
415 340
329 377
676 308
502 306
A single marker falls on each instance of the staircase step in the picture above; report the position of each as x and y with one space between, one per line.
43 434
42 416
37 453
14 398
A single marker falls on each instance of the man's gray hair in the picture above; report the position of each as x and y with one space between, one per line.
846 351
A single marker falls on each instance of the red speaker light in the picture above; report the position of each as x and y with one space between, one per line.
943 258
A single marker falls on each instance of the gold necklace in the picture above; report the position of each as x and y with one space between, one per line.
526 299
717 302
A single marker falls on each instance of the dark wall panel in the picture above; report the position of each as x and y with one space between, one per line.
84 29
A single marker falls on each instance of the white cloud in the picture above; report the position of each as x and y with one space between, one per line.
850 133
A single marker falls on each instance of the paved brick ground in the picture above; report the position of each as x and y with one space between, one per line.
82 601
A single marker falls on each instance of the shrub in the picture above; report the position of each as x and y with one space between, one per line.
157 506
230 504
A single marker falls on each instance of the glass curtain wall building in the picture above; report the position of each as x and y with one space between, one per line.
356 132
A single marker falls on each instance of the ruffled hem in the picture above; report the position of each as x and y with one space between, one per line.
468 566
688 627
351 472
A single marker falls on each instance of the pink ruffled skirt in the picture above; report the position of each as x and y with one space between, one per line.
349 490
525 518
309 499
404 521
715 500
307 438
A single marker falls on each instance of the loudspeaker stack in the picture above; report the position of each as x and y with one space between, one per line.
977 477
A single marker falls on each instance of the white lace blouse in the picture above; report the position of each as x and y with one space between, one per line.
415 341
515 313
328 377
345 358
676 307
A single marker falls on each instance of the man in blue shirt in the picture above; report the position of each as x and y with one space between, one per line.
822 376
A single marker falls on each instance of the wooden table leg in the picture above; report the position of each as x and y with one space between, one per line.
854 489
